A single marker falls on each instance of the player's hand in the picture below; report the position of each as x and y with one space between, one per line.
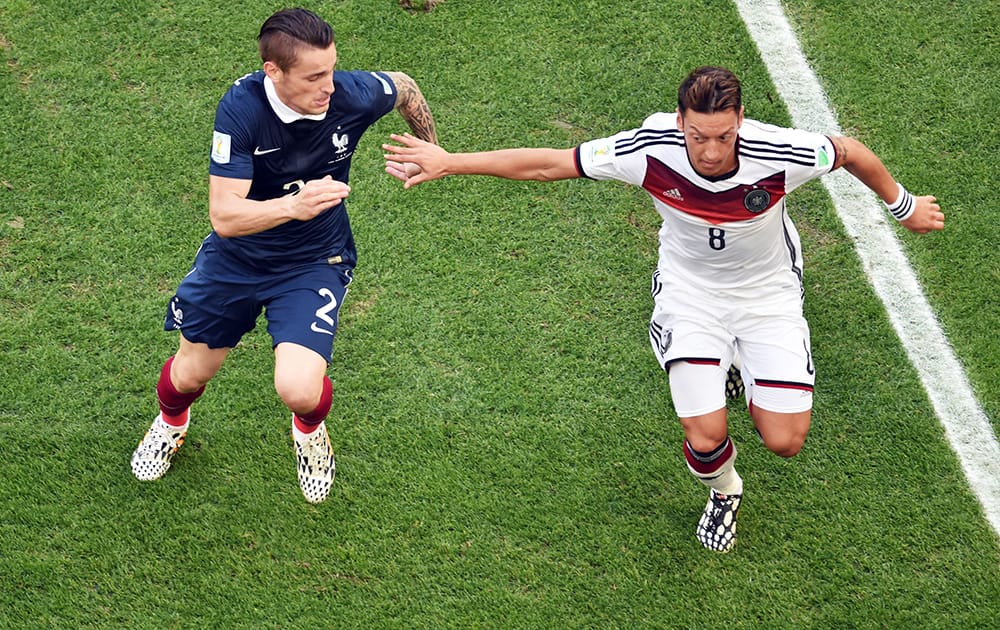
926 217
403 171
416 161
317 196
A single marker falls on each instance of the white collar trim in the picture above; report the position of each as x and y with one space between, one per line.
285 113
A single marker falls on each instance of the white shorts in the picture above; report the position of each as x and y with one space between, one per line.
705 331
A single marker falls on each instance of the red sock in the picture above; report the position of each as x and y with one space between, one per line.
309 422
173 404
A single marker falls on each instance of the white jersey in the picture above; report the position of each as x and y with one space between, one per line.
730 235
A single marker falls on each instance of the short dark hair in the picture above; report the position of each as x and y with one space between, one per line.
286 31
709 89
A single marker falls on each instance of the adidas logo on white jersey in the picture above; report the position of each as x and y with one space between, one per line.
673 193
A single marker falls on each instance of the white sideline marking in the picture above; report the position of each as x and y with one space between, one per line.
964 421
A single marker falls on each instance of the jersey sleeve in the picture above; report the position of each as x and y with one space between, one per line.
598 159
815 155
622 155
232 141
373 94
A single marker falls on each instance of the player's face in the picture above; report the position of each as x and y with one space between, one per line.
307 86
711 140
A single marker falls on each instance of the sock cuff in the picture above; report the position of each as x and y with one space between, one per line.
711 463
172 402
322 409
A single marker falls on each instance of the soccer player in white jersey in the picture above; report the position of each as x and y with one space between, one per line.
281 241
728 285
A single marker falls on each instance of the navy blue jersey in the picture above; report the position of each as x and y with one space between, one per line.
252 142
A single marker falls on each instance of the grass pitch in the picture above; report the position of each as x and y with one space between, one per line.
507 453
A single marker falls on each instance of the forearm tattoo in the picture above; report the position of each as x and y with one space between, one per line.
841 147
413 108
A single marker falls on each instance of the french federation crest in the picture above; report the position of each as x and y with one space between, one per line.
757 200
340 141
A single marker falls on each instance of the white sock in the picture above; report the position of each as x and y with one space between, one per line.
174 429
724 479
302 437
729 482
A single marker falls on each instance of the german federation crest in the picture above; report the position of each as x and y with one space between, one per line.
757 200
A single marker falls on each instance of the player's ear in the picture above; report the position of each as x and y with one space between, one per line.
272 70
680 120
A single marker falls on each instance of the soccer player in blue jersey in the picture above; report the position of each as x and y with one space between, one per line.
281 241
728 283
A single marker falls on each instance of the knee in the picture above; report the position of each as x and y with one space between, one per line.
787 445
299 396
190 376
706 442
782 433
706 432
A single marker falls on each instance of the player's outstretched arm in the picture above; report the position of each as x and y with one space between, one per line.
537 164
919 214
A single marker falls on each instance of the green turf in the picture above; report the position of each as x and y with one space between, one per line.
925 102
507 452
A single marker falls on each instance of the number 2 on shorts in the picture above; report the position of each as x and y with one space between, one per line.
323 312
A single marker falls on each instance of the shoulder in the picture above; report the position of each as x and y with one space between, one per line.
247 87
661 120
362 86
772 143
244 98
624 155
658 130
766 132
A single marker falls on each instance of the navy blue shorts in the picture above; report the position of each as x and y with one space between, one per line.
301 307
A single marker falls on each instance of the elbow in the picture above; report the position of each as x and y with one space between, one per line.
225 229
553 174
557 164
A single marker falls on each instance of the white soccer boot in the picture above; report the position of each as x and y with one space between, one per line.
717 527
316 466
151 459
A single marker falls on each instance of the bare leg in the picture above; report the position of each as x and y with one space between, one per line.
783 433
